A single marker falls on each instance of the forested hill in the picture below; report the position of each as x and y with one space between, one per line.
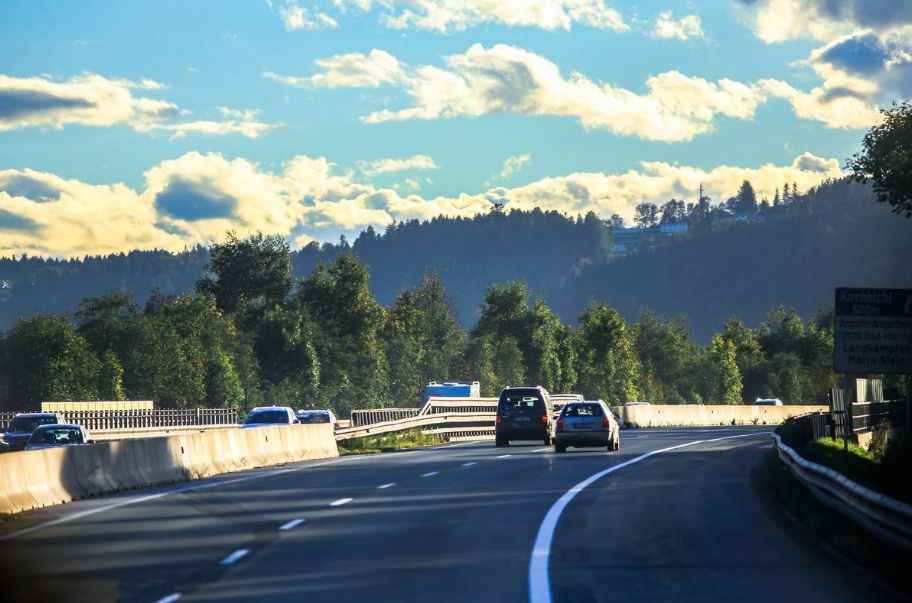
836 235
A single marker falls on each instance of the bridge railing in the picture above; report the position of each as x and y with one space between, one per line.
126 420
885 517
369 416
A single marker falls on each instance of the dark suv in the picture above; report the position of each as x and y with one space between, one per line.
21 427
523 413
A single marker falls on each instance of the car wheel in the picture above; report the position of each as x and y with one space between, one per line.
499 441
617 442
558 448
547 440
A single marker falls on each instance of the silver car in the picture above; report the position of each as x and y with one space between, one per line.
588 423
61 434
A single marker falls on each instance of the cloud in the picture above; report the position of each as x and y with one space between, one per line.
353 70
386 166
296 18
197 197
507 79
685 28
513 165
93 100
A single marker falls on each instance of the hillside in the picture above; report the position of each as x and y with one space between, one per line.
836 236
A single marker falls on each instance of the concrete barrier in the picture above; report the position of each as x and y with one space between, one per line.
41 478
689 415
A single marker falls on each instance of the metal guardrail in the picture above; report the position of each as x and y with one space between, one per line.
454 422
885 517
369 416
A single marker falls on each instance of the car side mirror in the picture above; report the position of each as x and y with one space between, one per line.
296 421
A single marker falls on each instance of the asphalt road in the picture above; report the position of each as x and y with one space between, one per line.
454 523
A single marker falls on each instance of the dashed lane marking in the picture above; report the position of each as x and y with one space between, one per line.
234 557
470 464
385 486
340 502
430 474
291 524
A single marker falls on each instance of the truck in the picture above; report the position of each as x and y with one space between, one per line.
451 389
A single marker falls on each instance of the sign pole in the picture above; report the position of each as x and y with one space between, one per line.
847 415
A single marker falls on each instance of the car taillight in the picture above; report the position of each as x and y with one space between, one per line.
606 422
544 419
498 419
560 425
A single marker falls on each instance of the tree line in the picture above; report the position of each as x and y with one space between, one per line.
251 334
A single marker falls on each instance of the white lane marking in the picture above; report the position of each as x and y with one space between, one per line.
453 445
291 524
505 456
385 486
234 557
340 502
178 490
430 474
170 598
539 581
470 464
542 449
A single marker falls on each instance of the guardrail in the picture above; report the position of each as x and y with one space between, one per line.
885 517
369 416
868 415
160 418
451 422
448 405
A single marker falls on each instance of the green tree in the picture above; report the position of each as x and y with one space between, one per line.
646 215
886 158
665 355
746 200
607 364
251 274
724 377
43 358
110 378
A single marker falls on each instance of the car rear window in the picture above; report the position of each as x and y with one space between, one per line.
521 401
24 424
583 410
267 416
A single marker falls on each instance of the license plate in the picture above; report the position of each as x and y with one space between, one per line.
520 418
580 426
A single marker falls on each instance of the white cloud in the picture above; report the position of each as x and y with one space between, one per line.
197 197
296 18
353 70
93 100
685 28
513 165
505 79
389 165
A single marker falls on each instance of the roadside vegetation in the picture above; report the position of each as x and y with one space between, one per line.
414 438
835 531
884 468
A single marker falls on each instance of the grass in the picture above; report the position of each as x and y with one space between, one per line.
836 531
414 438
887 471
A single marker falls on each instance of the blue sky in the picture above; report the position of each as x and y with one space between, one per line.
163 124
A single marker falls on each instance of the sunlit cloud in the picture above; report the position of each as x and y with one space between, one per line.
512 165
390 165
196 198
93 100
686 28
296 18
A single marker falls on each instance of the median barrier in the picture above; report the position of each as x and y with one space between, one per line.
45 477
690 415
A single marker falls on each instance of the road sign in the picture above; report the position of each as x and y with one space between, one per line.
873 331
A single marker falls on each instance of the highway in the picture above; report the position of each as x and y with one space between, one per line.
673 516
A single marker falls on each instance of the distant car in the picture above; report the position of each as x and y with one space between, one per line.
56 435
266 416
768 402
590 423
558 401
316 416
523 413
21 427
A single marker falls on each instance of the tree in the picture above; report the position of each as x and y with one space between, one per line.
616 221
886 158
607 365
724 377
252 273
646 215
746 200
673 212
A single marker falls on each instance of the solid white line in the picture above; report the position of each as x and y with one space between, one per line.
430 474
291 524
385 486
178 490
470 464
340 502
170 598
542 449
505 456
539 581
234 557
